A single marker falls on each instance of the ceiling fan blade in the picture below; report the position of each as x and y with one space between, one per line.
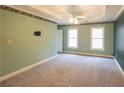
80 17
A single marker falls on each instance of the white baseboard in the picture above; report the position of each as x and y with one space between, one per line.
25 69
119 66
89 54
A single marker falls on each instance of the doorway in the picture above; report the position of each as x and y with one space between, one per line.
60 40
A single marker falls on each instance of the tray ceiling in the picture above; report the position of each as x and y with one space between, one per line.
61 13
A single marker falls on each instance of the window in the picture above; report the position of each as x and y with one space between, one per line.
72 38
97 38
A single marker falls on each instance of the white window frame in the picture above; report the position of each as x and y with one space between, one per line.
68 38
103 40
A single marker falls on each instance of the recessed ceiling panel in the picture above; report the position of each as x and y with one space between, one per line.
61 13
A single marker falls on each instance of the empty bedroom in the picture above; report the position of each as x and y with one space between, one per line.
61 46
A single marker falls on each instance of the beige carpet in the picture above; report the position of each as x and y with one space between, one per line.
68 70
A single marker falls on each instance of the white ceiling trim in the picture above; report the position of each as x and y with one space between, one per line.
119 12
23 10
12 6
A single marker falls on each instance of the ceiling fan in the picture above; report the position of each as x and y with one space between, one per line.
75 14
75 18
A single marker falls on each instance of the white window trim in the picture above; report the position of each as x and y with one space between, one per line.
102 49
68 38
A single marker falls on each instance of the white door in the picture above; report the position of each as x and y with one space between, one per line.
60 41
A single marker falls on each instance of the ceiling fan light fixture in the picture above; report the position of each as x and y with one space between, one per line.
75 21
71 20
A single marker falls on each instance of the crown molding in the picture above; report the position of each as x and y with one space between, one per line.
24 13
88 23
119 13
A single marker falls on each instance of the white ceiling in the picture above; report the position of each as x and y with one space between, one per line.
61 13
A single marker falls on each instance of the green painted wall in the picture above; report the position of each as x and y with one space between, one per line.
0 44
25 48
119 40
84 38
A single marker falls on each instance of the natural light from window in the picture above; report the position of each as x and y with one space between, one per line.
72 38
97 38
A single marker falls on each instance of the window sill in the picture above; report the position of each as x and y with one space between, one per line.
72 47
